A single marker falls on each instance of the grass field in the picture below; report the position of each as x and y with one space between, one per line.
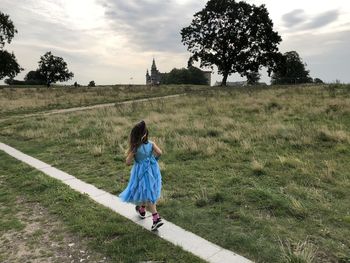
19 100
70 217
262 172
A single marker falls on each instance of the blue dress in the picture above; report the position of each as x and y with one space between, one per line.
145 179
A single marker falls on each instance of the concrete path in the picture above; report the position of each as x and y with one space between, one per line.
170 232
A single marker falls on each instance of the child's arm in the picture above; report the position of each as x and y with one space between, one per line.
156 150
129 158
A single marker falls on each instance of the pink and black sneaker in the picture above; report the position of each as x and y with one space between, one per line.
141 210
157 222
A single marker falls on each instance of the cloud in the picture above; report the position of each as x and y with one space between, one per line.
152 25
322 20
294 17
298 20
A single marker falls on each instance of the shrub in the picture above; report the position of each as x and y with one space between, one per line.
91 84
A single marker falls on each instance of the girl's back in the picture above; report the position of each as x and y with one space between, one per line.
144 151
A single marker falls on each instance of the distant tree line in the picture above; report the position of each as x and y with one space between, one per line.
190 75
51 69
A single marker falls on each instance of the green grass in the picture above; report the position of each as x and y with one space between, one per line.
119 239
257 171
15 100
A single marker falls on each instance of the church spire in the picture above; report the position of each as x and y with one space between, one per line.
155 77
154 67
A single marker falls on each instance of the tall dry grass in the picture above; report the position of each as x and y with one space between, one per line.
33 99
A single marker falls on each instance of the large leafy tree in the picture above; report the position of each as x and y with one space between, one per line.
234 36
291 70
8 64
53 69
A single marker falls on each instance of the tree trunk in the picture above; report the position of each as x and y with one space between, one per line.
224 79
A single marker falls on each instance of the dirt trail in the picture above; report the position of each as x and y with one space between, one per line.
74 109
43 239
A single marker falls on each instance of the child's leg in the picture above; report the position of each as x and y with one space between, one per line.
152 208
157 221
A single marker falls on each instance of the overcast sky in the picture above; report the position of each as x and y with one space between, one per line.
114 41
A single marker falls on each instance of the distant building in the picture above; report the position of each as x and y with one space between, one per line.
155 78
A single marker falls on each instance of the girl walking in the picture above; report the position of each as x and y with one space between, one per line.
145 179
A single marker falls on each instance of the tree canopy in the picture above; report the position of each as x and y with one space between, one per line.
7 29
34 77
253 77
192 75
53 69
8 64
92 84
291 70
237 37
318 81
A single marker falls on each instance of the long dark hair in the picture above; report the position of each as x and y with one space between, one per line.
138 135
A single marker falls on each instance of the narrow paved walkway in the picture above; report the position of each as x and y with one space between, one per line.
169 231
